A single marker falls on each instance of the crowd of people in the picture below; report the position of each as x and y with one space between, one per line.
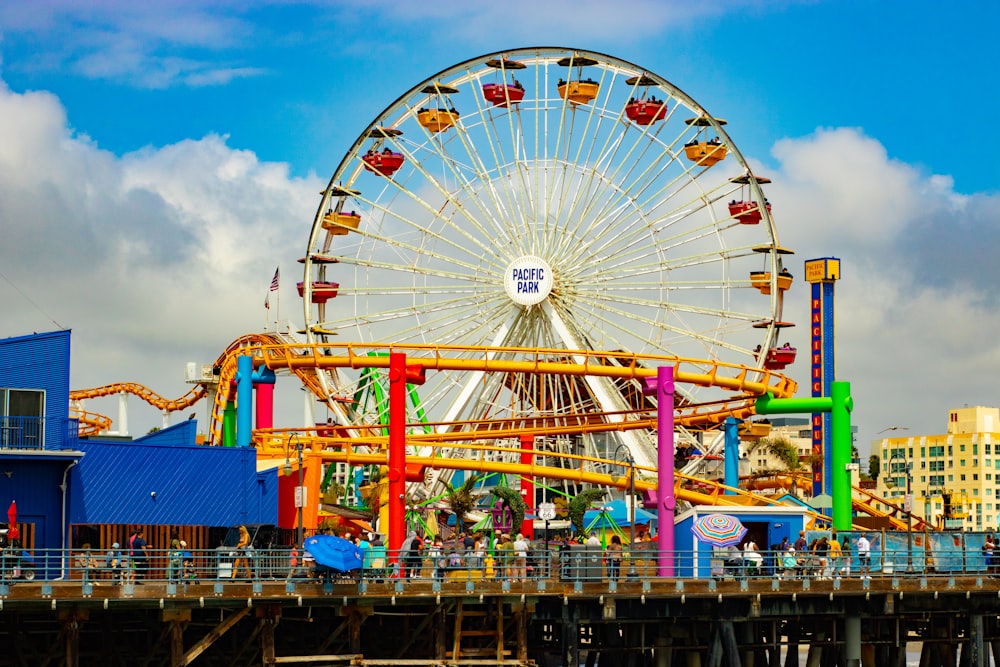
822 558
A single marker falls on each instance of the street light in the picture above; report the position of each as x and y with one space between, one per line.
300 492
907 507
627 458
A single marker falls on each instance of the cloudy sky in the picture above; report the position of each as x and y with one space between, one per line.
157 162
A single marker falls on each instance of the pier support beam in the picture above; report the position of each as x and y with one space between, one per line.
178 620
663 650
852 640
571 636
70 622
973 651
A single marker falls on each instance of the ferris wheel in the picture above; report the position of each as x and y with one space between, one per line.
551 199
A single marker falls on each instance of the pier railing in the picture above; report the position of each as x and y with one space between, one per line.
577 563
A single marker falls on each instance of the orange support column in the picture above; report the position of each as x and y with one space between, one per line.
528 484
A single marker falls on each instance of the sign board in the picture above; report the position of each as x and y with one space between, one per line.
908 503
301 496
546 511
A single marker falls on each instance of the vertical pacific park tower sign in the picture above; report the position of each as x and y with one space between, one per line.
528 280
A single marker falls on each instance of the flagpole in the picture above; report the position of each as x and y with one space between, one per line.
277 301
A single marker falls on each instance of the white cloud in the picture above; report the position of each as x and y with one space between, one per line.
153 258
916 294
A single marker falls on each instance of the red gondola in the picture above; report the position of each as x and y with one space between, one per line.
321 291
385 163
747 212
779 357
646 112
499 94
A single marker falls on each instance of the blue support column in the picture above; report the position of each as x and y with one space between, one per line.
731 430
244 402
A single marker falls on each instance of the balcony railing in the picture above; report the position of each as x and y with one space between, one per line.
29 433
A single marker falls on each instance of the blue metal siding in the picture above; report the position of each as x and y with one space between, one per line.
175 435
41 361
194 485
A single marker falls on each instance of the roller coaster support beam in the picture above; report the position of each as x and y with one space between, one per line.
731 431
245 380
244 388
663 387
527 527
397 453
399 376
263 380
839 404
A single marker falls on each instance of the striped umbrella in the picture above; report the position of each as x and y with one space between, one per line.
720 530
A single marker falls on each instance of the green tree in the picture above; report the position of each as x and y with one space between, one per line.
580 504
461 500
874 466
780 449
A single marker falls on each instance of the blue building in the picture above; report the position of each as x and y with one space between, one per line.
61 482
766 525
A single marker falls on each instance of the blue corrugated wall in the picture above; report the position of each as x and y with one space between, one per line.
33 478
41 361
194 485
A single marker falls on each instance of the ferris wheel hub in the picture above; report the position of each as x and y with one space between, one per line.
528 280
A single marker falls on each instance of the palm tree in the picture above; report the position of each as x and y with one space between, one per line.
782 451
461 500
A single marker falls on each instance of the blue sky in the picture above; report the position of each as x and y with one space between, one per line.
157 162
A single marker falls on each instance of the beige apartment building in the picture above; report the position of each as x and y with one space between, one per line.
959 466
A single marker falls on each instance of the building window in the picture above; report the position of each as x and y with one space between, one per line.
950 447
963 477
22 418
975 476
961 448
975 448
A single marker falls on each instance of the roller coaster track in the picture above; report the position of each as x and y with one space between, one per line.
305 361
865 503
91 423
147 395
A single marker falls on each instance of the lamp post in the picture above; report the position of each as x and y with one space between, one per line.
627 458
300 492
908 507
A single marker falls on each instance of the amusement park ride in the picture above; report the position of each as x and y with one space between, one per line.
537 231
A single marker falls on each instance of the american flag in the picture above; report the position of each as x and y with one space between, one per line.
274 280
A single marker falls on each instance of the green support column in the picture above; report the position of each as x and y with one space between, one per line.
839 404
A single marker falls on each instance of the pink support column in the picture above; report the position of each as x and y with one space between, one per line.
527 484
397 453
265 405
666 501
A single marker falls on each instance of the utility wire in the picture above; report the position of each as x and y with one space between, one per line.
28 299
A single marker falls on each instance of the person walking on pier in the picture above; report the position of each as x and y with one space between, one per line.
614 556
520 558
114 564
864 556
836 556
752 560
138 552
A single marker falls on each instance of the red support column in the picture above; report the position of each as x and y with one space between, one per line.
528 484
397 454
